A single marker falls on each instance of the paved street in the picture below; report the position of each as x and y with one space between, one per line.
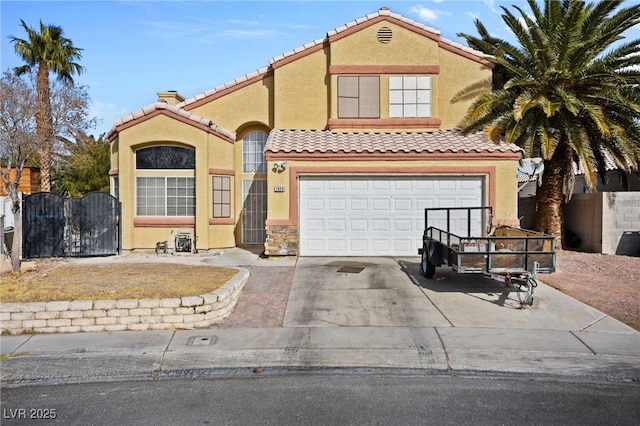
325 399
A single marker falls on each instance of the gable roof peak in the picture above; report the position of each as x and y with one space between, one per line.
384 11
173 110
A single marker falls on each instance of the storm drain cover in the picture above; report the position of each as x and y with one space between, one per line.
351 269
201 341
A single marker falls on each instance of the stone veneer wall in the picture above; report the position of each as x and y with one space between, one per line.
127 314
282 240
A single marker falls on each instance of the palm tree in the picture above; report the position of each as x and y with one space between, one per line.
571 94
46 51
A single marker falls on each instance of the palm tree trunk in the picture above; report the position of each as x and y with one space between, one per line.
549 197
44 127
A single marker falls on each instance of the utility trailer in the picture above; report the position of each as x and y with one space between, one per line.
465 239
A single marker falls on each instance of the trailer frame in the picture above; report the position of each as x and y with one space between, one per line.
513 256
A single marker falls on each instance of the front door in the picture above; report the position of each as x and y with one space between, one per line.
254 210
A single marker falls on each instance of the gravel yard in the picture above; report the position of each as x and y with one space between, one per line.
608 283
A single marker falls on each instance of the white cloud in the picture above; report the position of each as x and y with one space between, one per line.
425 14
473 15
106 114
491 5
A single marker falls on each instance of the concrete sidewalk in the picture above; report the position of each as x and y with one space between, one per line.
91 357
385 316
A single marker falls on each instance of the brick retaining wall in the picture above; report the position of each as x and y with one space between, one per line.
187 312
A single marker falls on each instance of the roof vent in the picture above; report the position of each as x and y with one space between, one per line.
385 35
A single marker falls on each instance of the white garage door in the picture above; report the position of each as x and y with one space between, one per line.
375 216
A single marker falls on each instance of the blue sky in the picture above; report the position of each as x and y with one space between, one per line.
133 49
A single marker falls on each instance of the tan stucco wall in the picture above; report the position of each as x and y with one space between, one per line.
211 152
363 48
301 94
252 103
410 48
457 73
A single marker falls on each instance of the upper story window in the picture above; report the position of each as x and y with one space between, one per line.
410 96
359 96
166 157
253 160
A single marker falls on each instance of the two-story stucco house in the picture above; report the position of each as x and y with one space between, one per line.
335 148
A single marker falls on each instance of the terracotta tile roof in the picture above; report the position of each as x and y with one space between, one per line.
609 163
320 41
263 71
174 109
387 12
323 141
578 169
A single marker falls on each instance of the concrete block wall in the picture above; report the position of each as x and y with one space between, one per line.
605 222
187 312
626 219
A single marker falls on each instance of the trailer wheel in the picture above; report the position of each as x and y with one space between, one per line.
427 268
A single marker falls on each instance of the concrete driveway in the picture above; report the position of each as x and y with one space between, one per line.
357 292
390 292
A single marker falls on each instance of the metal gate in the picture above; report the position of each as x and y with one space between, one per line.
65 227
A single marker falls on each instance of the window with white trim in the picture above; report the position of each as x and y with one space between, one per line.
410 96
166 196
221 196
253 160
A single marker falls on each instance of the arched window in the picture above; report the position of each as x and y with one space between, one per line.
173 194
253 160
166 157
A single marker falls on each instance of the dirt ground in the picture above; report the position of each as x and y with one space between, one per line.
608 283
56 279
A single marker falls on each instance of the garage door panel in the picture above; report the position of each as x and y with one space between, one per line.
403 245
402 225
359 205
381 205
358 245
337 225
314 204
469 185
359 185
316 225
337 186
337 245
381 225
381 185
400 186
315 187
358 225
425 185
356 216
380 246
403 204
